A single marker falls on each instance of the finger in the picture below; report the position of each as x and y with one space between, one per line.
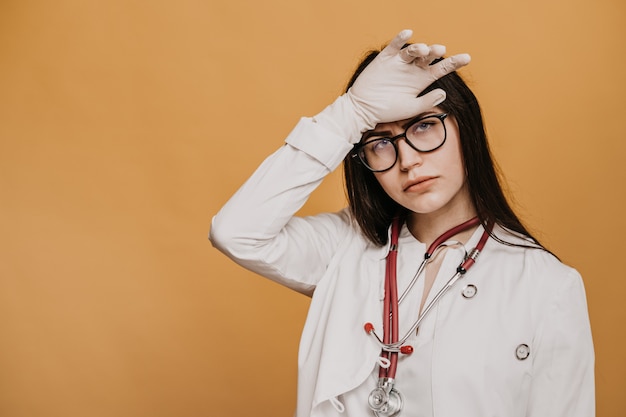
437 51
397 43
434 52
448 65
414 51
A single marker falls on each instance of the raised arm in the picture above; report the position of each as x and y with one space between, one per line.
257 227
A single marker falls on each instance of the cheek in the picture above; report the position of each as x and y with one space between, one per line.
391 185
454 158
456 162
456 173
385 180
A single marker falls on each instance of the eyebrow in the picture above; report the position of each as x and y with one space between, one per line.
370 133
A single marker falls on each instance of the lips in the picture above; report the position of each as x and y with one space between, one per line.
418 183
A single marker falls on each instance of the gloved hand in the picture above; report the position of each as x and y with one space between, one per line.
387 89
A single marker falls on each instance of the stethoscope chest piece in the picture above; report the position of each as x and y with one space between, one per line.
384 400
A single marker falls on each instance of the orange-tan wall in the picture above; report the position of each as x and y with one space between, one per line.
125 125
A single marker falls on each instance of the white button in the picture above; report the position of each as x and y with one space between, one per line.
522 352
469 291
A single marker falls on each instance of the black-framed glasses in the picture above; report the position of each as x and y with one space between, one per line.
424 134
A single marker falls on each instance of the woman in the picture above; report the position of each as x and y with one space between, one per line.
510 338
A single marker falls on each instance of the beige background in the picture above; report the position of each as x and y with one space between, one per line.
125 125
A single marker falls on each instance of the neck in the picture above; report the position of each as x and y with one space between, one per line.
428 227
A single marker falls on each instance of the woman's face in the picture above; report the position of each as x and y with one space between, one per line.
428 183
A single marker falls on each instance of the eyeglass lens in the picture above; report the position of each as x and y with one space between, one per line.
423 135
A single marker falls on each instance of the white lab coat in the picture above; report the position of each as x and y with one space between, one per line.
465 361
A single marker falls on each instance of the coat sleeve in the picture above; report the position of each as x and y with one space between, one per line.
563 367
257 227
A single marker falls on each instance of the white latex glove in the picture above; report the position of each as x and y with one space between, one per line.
386 91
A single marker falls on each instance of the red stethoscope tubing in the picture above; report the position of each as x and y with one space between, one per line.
391 304
391 301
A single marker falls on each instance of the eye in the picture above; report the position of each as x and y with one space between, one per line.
422 126
378 146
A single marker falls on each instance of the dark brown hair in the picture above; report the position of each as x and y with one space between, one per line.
374 210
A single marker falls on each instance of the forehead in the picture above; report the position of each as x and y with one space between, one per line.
392 125
387 128
404 122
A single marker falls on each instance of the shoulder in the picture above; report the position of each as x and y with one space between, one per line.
533 284
539 270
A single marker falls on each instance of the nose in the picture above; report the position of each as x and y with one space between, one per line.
407 156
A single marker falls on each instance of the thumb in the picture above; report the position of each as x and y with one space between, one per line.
428 101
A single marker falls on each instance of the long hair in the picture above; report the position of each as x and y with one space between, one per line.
374 210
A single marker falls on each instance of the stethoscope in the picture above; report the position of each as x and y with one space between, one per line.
385 400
